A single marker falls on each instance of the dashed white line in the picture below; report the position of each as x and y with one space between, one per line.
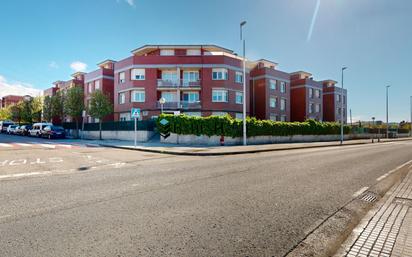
5 145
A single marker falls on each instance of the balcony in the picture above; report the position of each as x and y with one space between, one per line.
182 105
178 84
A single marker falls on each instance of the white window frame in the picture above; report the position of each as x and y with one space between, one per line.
122 98
97 85
239 77
317 93
167 52
220 96
169 96
317 108
140 99
283 104
122 77
273 84
193 52
220 74
190 76
311 107
283 87
170 75
273 102
239 98
138 74
310 92
193 97
90 87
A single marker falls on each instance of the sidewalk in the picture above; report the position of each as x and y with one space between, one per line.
158 147
386 230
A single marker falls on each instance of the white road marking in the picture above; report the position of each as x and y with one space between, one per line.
5 145
383 176
359 192
47 146
18 175
23 144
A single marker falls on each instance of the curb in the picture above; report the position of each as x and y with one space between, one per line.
327 238
235 152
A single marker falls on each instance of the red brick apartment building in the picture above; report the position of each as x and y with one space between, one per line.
101 79
332 102
269 91
197 80
9 100
306 97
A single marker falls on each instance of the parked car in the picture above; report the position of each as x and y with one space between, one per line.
12 129
37 128
53 132
24 130
4 125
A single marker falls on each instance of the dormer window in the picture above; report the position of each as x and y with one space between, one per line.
167 52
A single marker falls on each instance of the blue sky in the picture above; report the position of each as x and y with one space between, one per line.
41 40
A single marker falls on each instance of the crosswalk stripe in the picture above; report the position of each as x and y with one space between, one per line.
5 145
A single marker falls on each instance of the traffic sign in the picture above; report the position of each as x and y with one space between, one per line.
135 113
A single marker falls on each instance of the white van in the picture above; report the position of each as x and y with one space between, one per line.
37 129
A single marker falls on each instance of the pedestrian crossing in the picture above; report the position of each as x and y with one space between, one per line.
44 145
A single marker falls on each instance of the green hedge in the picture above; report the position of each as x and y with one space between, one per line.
227 126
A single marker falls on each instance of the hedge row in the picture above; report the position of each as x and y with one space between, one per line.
227 126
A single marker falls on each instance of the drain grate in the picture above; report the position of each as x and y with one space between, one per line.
369 197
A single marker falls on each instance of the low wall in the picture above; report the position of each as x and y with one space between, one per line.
215 140
142 135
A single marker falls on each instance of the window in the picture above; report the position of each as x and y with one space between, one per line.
219 96
310 92
97 85
191 97
337 98
122 98
317 107
283 118
273 117
344 99
124 116
273 102
283 104
169 75
239 97
272 83
169 96
90 87
138 74
190 76
138 96
219 74
311 108
317 93
239 115
283 87
122 77
167 52
239 77
339 111
193 52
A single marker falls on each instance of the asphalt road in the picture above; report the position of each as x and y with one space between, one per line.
111 202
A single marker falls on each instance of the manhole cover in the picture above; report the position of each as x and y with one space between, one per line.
369 197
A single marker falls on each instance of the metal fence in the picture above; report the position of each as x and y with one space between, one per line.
148 125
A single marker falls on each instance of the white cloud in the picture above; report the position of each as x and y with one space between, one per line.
17 88
78 66
130 2
53 65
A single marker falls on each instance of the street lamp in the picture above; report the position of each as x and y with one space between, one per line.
162 101
387 111
341 109
243 23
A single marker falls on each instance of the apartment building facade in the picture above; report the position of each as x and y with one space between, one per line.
100 79
269 92
198 80
306 97
333 101
10 100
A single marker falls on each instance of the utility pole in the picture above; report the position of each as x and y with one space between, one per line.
387 111
410 128
243 23
341 109
350 111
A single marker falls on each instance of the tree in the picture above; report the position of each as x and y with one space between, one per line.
100 107
47 109
16 112
26 111
5 114
36 108
57 105
73 104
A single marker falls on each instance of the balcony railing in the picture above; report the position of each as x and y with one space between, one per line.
184 105
178 83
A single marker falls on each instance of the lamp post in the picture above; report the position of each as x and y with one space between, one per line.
341 109
373 126
387 111
162 101
243 23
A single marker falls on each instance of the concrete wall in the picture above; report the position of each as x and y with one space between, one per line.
142 135
215 140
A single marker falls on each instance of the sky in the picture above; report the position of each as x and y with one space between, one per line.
48 40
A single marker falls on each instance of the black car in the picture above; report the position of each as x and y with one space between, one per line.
24 130
53 132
